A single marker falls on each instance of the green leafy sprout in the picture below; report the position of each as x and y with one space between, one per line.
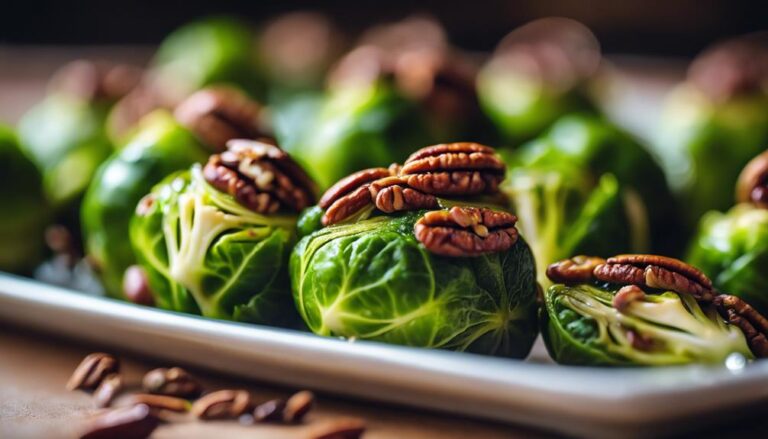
582 327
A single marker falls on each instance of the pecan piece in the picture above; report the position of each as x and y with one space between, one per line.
376 186
172 382
626 295
92 371
753 182
657 272
219 114
260 176
136 421
466 231
223 404
392 194
754 325
577 269
464 168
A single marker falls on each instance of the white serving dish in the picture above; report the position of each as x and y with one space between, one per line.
577 401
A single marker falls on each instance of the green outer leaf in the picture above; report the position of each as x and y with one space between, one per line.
357 128
522 107
217 50
373 280
159 147
24 214
65 138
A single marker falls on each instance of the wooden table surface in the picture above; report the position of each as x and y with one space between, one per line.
34 369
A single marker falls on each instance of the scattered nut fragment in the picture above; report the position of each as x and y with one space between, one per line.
753 182
626 295
260 176
110 386
136 286
219 114
134 422
270 411
342 428
454 169
298 406
174 381
223 404
577 269
739 313
92 371
466 231
158 403
658 272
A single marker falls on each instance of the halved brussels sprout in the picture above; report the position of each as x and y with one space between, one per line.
25 214
159 147
204 253
373 280
732 249
584 187
581 326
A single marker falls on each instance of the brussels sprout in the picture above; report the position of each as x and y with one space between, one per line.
537 75
358 126
159 147
403 86
581 326
209 51
713 124
215 240
583 188
24 214
732 249
373 280
65 138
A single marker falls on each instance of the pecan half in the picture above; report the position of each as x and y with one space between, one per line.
753 182
172 382
260 176
739 313
466 231
577 269
392 194
464 168
219 114
351 183
92 371
655 271
378 187
223 404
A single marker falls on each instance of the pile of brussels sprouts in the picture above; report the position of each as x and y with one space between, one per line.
279 175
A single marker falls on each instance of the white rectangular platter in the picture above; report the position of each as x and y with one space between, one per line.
576 401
